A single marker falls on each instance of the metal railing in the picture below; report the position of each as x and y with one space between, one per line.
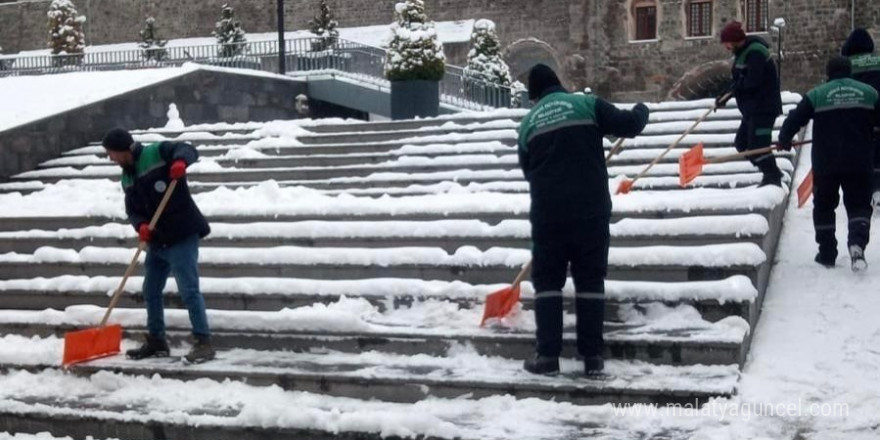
303 56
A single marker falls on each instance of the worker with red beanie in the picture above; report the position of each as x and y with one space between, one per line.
755 86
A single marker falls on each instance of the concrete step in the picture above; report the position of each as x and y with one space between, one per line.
498 154
447 235
492 217
433 183
667 169
684 346
467 264
409 381
714 300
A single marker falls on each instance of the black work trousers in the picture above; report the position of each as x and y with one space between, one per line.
857 189
583 246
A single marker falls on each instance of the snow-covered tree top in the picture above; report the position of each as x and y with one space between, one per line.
414 51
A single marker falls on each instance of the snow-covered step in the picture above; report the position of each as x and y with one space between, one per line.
55 222
248 158
110 405
499 181
213 172
467 264
446 234
657 334
714 300
410 379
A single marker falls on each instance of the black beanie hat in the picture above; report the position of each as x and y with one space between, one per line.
859 41
838 67
117 139
541 78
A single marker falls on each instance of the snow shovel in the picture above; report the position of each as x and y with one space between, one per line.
626 185
500 302
805 189
105 340
690 164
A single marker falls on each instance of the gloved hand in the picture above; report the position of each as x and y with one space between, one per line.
178 169
144 232
784 145
721 101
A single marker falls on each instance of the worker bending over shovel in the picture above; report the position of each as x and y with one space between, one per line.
173 245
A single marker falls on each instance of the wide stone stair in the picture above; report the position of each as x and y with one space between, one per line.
348 265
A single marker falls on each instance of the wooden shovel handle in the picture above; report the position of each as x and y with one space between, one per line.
615 149
141 246
748 153
522 274
680 138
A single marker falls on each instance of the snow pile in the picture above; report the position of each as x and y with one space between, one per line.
174 121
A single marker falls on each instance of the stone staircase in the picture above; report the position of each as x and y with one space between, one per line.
350 260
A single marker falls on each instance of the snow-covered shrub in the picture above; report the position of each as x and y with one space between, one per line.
65 28
324 26
414 51
229 33
153 46
518 94
484 60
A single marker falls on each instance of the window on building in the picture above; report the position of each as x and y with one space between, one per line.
645 14
699 18
757 13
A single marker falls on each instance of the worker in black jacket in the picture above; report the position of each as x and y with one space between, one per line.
755 86
859 47
173 245
843 111
561 154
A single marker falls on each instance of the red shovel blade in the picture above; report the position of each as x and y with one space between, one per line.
500 303
805 189
91 343
624 187
690 165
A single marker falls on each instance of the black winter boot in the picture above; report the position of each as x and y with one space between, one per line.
542 365
772 174
593 365
152 347
825 260
201 351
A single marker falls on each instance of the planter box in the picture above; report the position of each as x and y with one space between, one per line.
417 98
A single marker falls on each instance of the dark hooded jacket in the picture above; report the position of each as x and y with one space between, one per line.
755 79
843 111
561 150
859 47
145 183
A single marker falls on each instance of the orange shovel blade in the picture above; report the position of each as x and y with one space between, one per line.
624 187
690 164
805 189
500 303
92 343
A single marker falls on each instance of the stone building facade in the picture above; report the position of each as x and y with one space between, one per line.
625 49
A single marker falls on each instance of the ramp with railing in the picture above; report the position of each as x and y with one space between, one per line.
313 59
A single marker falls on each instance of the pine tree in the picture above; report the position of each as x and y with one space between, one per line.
414 51
324 26
484 60
2 62
153 46
65 28
229 33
